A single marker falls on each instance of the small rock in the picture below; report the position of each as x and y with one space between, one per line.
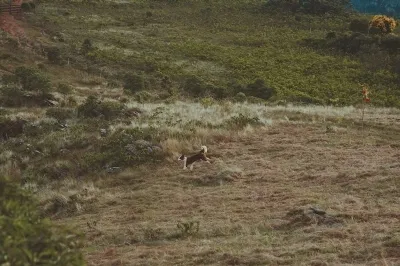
317 211
114 169
103 132
141 143
156 149
131 148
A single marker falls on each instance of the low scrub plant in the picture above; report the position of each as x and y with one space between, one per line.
27 86
188 228
28 239
134 83
61 114
92 107
241 121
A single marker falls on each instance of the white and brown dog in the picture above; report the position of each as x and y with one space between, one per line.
189 161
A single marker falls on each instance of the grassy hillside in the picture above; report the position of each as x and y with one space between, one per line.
99 98
216 48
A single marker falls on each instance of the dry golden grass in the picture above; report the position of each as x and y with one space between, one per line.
252 203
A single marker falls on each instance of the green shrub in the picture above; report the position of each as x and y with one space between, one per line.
188 228
260 90
194 86
166 84
304 98
240 97
64 89
28 239
54 55
27 86
32 80
56 171
359 25
27 7
330 35
207 102
134 83
125 147
61 114
353 43
218 92
144 96
12 96
391 43
87 46
92 107
241 121
11 128
8 79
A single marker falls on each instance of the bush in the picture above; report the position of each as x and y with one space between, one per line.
260 90
134 83
125 147
87 46
359 25
27 7
144 96
207 102
92 107
352 43
32 80
26 87
241 121
64 89
61 114
240 97
11 128
54 55
194 86
12 96
302 97
381 24
217 92
330 35
391 43
28 239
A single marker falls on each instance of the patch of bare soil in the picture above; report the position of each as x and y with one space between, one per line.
10 25
291 194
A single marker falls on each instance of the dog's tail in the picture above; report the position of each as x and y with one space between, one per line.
204 149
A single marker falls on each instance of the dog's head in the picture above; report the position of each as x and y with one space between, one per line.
181 158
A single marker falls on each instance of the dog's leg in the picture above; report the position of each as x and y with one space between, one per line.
191 167
184 163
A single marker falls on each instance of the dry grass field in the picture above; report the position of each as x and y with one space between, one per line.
300 190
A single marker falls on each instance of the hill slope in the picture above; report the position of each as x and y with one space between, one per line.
216 48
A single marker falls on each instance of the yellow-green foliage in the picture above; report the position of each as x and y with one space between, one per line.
26 238
382 24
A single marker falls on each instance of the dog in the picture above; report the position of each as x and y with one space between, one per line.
189 161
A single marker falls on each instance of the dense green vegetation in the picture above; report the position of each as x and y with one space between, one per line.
28 239
220 48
